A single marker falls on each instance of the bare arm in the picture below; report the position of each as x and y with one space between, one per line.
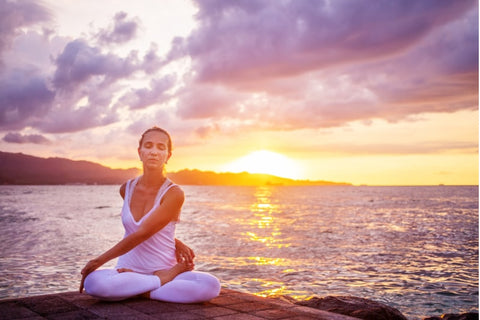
166 212
182 251
122 190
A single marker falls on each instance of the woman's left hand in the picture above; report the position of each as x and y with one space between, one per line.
91 266
183 252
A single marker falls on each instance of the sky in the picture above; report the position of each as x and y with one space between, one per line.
367 92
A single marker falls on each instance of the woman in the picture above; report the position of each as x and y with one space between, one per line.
149 262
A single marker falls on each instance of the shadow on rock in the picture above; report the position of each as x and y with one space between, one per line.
355 307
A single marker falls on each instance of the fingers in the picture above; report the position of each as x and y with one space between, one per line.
179 256
188 266
81 283
185 256
188 258
183 252
89 268
84 275
191 254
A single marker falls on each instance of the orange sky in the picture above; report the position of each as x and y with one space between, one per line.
378 94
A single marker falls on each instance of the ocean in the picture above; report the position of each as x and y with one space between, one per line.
413 248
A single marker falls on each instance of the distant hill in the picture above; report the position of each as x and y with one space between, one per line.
19 168
196 177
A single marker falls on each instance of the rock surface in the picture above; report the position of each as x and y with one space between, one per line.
463 316
228 305
355 307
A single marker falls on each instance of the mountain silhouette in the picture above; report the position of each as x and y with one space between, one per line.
22 169
197 177
19 168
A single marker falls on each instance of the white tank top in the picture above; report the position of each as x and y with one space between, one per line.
155 253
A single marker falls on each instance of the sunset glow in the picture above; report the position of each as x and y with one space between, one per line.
267 162
378 97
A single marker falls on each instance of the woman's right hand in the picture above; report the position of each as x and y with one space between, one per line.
91 266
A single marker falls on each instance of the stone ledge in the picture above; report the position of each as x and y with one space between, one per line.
229 304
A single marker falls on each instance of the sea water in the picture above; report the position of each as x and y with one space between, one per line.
413 248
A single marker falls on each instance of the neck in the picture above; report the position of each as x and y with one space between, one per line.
152 179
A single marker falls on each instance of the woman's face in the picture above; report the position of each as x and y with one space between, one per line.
154 151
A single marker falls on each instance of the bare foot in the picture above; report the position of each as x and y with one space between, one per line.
168 275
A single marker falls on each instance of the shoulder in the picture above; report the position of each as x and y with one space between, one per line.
175 193
122 189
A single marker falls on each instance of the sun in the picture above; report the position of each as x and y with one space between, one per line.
266 162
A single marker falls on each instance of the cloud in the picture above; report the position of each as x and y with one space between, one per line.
151 61
13 137
273 65
399 148
24 95
80 62
17 14
61 120
240 41
145 97
122 30
207 131
75 97
160 119
207 101
309 64
71 85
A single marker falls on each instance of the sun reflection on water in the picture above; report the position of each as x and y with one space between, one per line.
265 223
264 226
280 290
268 261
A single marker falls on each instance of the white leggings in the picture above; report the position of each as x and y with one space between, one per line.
187 287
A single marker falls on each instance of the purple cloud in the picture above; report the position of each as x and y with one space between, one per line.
209 101
275 65
145 97
80 62
17 14
161 119
123 30
29 98
61 120
327 63
79 89
151 61
13 137
240 41
24 95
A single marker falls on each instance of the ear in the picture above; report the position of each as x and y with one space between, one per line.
139 156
